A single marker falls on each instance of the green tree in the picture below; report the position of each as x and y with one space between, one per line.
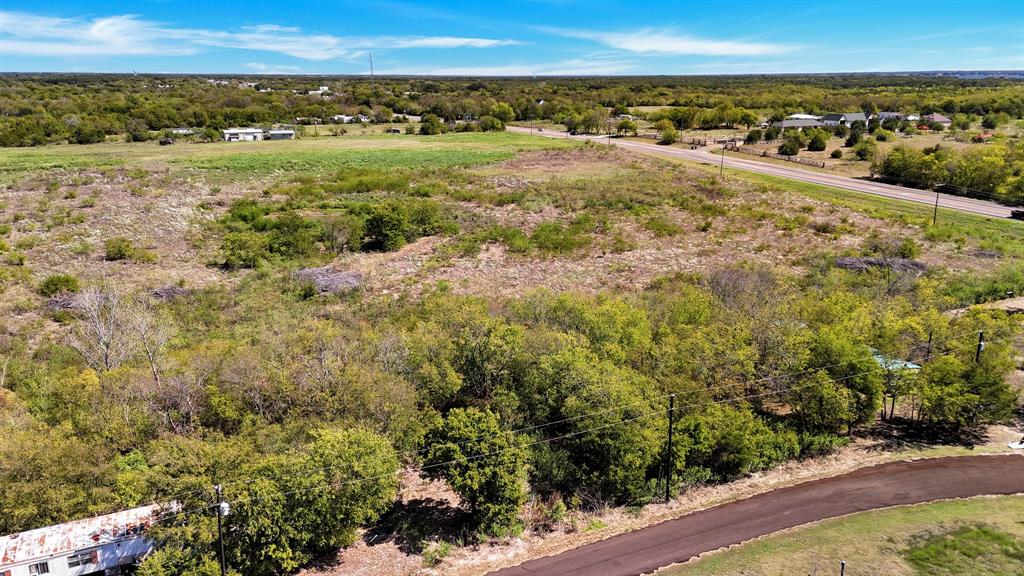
504 112
626 126
485 465
865 150
491 124
431 125
818 141
667 132
790 146
387 227
822 405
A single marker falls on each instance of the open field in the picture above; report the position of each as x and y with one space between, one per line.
896 542
498 234
304 154
683 218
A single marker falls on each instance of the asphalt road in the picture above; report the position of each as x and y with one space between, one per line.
678 540
887 190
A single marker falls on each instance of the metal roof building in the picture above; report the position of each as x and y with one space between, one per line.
99 544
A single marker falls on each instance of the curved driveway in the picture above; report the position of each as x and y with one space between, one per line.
678 540
982 207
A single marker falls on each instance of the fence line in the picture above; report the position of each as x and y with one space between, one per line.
767 154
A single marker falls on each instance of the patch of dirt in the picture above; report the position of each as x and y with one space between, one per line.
63 230
560 161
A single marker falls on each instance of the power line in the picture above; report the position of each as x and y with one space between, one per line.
173 513
647 401
570 435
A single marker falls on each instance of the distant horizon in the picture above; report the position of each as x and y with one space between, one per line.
950 72
551 38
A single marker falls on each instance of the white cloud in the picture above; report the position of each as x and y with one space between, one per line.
128 35
109 36
570 67
654 41
448 42
261 68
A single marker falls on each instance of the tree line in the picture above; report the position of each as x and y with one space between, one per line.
36 109
308 408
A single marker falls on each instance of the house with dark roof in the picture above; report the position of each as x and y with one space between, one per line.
844 119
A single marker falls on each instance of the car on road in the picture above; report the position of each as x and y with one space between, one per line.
540 129
1017 214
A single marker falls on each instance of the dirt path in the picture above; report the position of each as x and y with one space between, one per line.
679 540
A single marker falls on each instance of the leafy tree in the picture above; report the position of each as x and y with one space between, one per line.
387 227
823 405
818 141
503 112
485 465
753 137
431 125
667 132
851 365
790 146
491 124
626 126
865 150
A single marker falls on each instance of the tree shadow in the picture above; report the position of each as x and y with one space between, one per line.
412 525
902 433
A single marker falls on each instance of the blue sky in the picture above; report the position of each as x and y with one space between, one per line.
556 37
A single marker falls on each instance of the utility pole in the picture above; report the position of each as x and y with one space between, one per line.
981 346
842 568
721 167
668 454
222 510
935 213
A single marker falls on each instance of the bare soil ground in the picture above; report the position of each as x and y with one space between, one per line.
764 225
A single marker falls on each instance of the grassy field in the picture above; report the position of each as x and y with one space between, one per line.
306 154
979 536
1000 234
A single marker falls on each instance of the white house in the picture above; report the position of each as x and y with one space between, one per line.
243 134
99 545
282 134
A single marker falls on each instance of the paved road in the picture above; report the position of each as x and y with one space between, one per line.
880 486
889 191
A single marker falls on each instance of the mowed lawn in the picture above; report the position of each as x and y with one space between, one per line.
307 154
980 536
